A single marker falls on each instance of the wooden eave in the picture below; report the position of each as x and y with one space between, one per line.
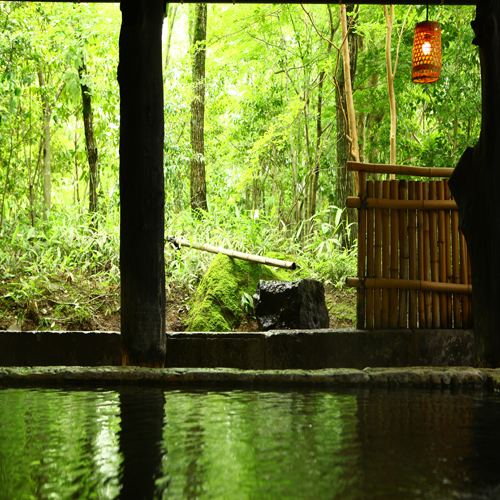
347 2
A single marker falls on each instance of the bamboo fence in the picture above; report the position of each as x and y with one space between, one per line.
413 266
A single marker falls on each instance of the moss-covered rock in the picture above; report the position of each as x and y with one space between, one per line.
217 304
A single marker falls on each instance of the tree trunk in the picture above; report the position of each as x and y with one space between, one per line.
475 184
142 192
47 112
389 22
90 145
198 182
345 179
172 12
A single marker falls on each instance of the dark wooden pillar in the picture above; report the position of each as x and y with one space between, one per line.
142 195
475 184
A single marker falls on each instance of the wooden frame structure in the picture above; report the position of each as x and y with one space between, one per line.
413 267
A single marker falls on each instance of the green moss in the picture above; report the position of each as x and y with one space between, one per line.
216 305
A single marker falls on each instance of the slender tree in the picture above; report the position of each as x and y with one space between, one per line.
198 182
90 143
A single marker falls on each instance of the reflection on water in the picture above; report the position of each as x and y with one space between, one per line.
147 443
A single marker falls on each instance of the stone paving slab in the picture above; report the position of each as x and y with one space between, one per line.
431 377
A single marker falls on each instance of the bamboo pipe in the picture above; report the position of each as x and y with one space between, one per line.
412 254
399 169
369 257
356 202
378 258
403 255
284 264
393 301
428 286
386 238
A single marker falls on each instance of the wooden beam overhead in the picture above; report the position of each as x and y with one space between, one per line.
347 2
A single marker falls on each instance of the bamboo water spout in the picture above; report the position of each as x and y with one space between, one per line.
283 264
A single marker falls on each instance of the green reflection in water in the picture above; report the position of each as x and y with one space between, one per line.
58 444
260 445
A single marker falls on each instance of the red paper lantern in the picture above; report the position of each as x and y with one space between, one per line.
426 58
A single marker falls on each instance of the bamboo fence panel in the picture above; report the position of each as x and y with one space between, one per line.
377 300
386 238
447 239
443 263
427 261
413 265
369 257
455 251
403 256
360 303
412 254
393 301
421 254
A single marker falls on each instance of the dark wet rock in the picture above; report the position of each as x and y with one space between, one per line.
291 305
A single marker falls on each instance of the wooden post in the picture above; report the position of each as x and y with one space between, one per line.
475 185
142 195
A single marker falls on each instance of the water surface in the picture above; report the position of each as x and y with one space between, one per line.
148 443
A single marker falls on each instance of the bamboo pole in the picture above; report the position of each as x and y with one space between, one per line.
369 258
393 301
434 256
356 202
412 243
469 321
386 238
378 258
429 286
447 225
455 251
427 260
420 255
360 302
232 253
443 302
403 255
399 169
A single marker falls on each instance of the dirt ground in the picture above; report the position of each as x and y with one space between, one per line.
104 314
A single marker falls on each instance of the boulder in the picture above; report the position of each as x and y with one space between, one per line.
291 305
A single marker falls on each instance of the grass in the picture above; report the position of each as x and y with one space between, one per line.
62 275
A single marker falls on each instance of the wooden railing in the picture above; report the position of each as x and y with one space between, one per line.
413 266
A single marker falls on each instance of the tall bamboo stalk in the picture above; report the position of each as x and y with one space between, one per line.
447 224
420 226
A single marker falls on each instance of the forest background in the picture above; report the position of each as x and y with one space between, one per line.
276 135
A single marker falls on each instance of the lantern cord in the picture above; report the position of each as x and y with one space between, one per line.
427 12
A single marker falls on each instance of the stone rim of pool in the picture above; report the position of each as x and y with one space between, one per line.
106 376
